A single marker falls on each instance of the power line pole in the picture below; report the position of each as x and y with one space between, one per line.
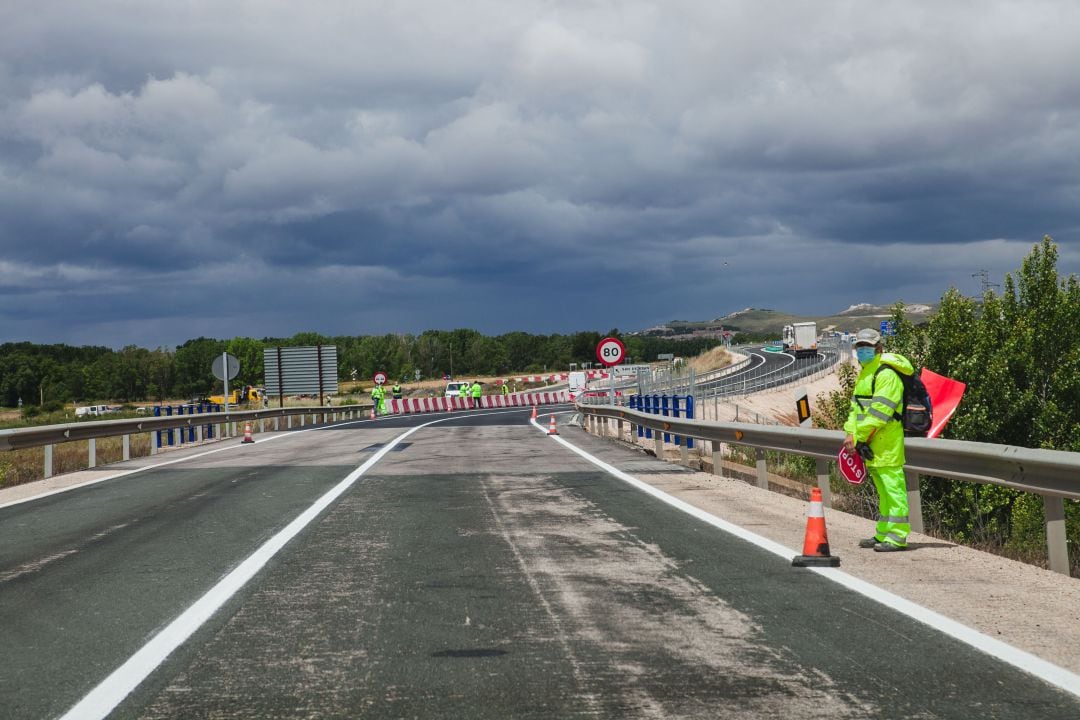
984 281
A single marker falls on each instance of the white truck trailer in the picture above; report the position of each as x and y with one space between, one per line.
805 339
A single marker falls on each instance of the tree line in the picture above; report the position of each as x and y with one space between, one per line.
48 375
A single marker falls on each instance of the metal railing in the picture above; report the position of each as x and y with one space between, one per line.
49 435
739 379
1052 474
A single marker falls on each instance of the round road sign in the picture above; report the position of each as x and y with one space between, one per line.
221 362
611 351
379 378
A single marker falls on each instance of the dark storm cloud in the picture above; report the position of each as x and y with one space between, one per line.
174 170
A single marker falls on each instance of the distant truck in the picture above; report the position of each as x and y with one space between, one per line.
247 395
577 381
801 339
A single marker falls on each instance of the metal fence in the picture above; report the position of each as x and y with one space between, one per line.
744 377
1052 474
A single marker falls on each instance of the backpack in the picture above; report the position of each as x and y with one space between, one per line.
918 414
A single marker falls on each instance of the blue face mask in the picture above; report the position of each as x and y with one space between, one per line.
864 354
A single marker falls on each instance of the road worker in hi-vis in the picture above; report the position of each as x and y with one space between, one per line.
378 398
877 435
505 388
476 392
396 390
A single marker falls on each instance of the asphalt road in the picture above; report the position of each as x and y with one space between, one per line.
478 569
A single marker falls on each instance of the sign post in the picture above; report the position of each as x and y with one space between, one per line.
225 368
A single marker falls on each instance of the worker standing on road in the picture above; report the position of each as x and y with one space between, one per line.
378 396
476 392
505 388
875 431
396 390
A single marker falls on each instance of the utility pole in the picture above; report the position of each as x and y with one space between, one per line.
984 281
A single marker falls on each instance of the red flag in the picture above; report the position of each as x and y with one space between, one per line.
945 394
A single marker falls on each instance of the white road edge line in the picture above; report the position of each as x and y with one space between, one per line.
104 698
1031 664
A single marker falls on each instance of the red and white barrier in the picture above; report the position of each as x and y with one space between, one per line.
424 405
590 374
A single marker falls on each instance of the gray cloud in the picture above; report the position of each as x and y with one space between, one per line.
168 171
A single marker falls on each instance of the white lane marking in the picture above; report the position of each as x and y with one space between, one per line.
111 691
1031 664
104 698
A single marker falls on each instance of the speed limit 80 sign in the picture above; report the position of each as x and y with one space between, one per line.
610 351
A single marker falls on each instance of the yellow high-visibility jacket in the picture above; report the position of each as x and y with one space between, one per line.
874 406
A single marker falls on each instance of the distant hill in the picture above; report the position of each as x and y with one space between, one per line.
771 322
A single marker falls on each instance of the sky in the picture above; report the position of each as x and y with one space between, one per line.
171 170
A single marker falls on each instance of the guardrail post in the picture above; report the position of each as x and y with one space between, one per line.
48 461
648 409
762 470
92 451
690 416
1057 550
168 413
127 447
665 413
619 428
681 442
914 499
658 444
155 441
822 468
717 458
277 424
288 422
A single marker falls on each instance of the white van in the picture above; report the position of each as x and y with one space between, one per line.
456 389
91 410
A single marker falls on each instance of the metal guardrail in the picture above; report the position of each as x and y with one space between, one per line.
49 435
1053 474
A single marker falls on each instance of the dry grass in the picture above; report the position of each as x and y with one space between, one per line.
713 359
23 466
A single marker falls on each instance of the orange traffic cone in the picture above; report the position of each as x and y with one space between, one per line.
247 433
552 430
372 412
534 412
816 544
